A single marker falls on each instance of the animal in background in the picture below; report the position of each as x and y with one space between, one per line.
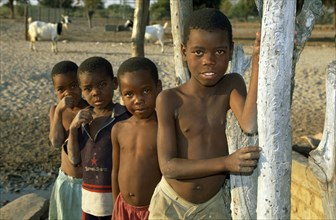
39 30
154 33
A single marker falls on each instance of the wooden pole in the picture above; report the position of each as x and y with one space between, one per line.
26 21
275 71
322 160
243 187
139 27
179 10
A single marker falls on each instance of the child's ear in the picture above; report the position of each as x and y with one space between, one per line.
184 52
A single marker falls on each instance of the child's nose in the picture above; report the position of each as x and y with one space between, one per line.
209 59
139 99
96 91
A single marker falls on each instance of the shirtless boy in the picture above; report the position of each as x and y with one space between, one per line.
192 146
136 169
90 136
69 181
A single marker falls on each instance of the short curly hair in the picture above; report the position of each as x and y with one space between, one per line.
136 64
64 67
208 19
94 64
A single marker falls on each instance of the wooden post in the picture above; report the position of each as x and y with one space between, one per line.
322 160
243 187
139 27
179 11
26 21
275 71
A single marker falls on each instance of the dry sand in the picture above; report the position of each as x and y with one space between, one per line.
28 163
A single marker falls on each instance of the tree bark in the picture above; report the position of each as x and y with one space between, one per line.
139 27
179 10
275 71
89 16
322 160
243 187
11 7
304 24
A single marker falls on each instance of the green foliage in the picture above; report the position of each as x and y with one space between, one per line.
93 4
225 6
160 10
197 4
243 9
117 10
56 3
4 12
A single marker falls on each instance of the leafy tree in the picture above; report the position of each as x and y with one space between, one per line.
197 4
10 5
56 3
243 9
117 9
160 10
90 7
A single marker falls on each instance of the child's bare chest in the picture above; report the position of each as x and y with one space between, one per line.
141 142
199 117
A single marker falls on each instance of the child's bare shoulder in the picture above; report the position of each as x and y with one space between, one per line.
232 80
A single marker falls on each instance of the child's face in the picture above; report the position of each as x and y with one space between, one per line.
67 85
207 55
139 91
97 88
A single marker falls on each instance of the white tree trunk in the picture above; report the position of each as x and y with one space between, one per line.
304 24
243 187
179 11
322 160
138 32
275 71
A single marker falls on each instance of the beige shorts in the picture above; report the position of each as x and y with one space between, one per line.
167 204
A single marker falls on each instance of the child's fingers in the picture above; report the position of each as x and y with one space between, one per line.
247 169
251 149
250 163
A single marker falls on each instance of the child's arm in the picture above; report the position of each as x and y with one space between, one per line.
115 161
245 106
83 116
56 131
243 160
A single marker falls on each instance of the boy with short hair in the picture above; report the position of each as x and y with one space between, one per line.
66 195
192 146
90 136
136 169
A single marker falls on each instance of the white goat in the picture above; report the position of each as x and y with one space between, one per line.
39 30
154 33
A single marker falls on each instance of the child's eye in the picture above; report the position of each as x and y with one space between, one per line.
220 52
146 91
128 94
60 90
101 85
87 89
198 52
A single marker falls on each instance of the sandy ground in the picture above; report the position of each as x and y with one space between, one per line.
28 163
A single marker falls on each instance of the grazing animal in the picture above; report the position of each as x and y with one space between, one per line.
154 33
39 30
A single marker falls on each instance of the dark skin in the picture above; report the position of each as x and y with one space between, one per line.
192 146
136 170
97 88
62 114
